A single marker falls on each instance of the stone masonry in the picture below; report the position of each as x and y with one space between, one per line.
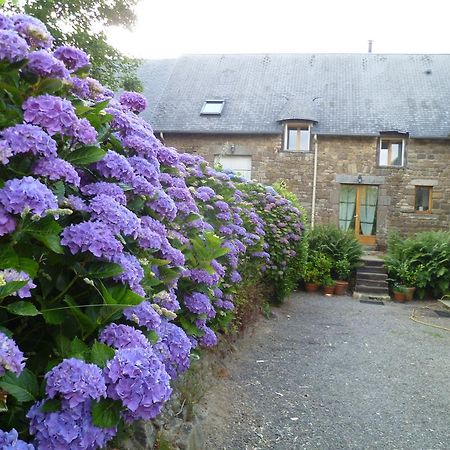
340 160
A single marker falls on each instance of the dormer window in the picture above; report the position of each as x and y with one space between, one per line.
391 152
297 137
212 107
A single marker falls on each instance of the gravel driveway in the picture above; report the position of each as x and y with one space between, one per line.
334 373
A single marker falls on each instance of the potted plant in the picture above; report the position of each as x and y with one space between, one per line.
328 285
342 269
404 276
316 270
399 292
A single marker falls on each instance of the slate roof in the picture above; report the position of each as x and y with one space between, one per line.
346 94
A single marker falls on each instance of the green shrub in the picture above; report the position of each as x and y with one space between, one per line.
424 258
317 268
337 244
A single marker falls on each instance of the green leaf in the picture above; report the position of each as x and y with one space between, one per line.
152 336
106 413
85 155
49 86
50 406
11 287
23 309
101 354
53 242
23 388
103 270
10 260
55 317
46 231
78 349
86 324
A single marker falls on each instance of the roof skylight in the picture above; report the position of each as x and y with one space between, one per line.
212 107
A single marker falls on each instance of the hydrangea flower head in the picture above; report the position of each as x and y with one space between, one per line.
11 358
19 194
54 114
70 428
133 101
7 222
104 188
9 275
10 441
118 218
163 205
167 299
72 57
123 337
13 48
75 381
56 169
132 273
46 65
144 315
6 23
33 30
24 138
93 237
114 165
198 303
209 338
84 132
89 89
173 348
139 380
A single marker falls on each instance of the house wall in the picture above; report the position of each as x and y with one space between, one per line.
341 160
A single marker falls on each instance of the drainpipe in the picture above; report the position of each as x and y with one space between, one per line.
313 206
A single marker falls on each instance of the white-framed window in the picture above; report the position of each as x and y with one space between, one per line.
212 107
297 137
240 165
391 152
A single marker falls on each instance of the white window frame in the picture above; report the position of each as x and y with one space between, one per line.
391 139
204 111
298 126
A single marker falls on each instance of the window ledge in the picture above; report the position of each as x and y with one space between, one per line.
296 152
391 167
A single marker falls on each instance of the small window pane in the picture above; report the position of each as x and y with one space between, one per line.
212 107
292 139
396 154
304 140
383 156
423 198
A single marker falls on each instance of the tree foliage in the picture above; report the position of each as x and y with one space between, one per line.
83 24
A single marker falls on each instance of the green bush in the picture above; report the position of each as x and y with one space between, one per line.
423 258
317 268
336 244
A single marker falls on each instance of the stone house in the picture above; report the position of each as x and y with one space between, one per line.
361 139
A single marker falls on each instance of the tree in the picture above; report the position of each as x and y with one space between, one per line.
82 23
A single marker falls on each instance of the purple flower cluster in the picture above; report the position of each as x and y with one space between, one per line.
72 57
75 381
173 348
144 315
133 101
10 441
167 299
46 65
7 222
103 188
132 272
93 237
9 275
123 337
56 169
13 48
32 30
89 89
114 165
25 138
27 194
199 303
139 380
11 358
70 428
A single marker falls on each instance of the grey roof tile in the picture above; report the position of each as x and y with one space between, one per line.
347 94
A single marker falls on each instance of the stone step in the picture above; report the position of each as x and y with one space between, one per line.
361 274
373 283
371 289
372 262
363 295
372 269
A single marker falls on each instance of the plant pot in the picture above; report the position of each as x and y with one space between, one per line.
409 293
399 296
311 287
340 288
328 290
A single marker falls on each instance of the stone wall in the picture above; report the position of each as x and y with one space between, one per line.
341 160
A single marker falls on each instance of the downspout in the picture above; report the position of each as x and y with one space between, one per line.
313 206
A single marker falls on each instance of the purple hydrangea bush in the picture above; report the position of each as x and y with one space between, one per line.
119 256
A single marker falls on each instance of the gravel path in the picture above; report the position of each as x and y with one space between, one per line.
334 373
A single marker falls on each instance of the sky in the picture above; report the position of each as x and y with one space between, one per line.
169 28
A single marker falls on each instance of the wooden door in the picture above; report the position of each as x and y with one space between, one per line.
358 211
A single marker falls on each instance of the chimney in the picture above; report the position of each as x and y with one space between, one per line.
370 46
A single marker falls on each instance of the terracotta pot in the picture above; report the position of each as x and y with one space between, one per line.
340 288
328 290
409 293
311 287
399 296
